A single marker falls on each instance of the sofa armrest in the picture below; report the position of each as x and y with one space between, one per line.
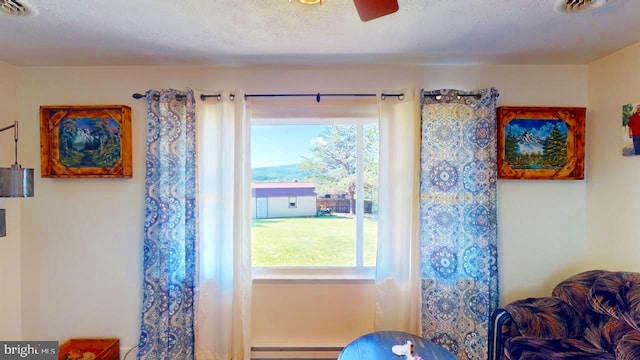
496 335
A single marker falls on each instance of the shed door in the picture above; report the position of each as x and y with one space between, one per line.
261 208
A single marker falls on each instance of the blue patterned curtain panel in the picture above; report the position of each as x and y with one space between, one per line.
458 220
167 327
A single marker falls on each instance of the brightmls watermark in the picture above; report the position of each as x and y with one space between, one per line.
28 350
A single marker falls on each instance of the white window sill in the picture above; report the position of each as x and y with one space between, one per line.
270 274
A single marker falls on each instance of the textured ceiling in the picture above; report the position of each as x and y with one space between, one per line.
214 32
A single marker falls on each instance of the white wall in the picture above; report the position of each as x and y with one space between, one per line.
82 238
614 180
10 301
278 206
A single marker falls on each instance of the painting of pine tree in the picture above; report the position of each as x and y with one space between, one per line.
541 143
536 143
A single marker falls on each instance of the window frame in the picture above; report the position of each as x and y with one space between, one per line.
357 272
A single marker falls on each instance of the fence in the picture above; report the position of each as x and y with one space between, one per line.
343 206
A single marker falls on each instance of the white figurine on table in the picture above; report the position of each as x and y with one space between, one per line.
405 350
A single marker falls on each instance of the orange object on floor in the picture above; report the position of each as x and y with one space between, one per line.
103 348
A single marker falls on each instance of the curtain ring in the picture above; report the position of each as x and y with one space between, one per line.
383 96
401 96
232 97
219 97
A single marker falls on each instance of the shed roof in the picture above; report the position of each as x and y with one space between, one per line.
281 189
282 185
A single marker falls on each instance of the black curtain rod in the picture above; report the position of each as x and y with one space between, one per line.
318 96
478 96
156 97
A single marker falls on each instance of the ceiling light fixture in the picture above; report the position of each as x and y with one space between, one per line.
575 6
310 2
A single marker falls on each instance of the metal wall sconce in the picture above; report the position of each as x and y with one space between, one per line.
15 181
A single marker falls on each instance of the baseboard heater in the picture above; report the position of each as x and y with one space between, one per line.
295 352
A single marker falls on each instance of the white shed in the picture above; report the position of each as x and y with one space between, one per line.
282 199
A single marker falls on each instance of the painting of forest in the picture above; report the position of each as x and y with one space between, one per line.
535 143
89 142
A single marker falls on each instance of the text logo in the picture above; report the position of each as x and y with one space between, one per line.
28 350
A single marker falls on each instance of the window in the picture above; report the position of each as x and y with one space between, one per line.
320 182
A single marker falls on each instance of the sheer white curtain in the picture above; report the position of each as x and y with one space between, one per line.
223 294
398 298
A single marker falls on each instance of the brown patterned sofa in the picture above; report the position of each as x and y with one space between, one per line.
591 315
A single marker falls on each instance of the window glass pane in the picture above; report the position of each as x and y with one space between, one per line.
303 188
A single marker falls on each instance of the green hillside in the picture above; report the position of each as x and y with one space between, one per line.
284 173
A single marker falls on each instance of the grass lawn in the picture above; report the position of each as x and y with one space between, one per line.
311 241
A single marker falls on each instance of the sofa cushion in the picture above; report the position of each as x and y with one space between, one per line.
604 331
545 318
524 348
628 302
629 347
575 290
603 296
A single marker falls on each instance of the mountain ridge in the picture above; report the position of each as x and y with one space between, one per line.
280 173
529 143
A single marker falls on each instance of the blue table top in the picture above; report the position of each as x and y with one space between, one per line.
377 346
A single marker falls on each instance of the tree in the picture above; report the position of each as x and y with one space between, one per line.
100 133
510 147
68 131
332 162
555 148
627 110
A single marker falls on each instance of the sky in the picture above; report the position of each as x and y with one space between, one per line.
281 144
89 123
540 128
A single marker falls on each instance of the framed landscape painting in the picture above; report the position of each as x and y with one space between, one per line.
541 142
630 129
85 141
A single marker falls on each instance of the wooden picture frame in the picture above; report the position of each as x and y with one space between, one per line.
542 143
90 141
